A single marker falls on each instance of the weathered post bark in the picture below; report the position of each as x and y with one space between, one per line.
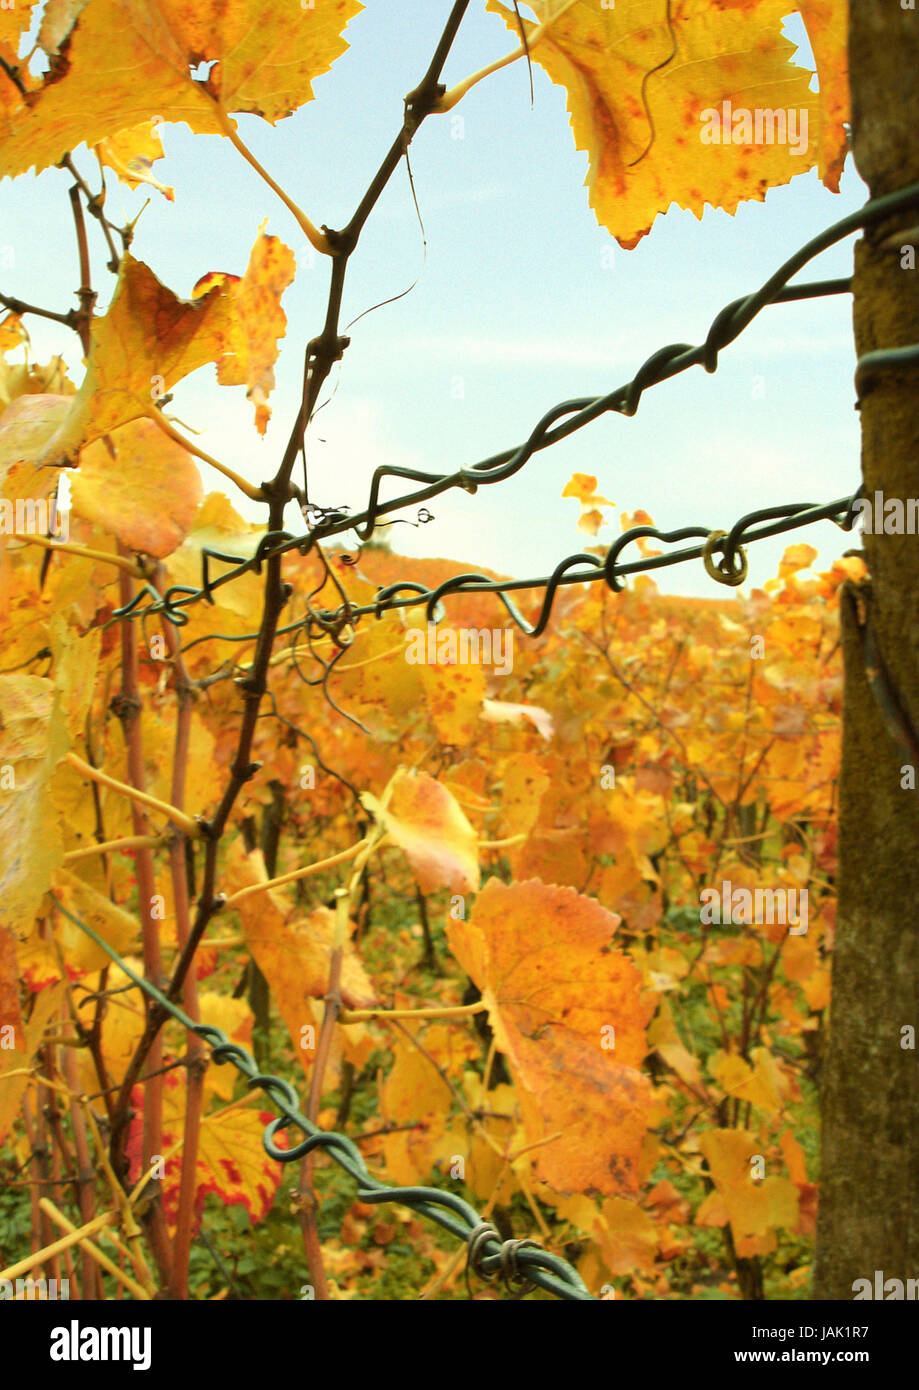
869 1184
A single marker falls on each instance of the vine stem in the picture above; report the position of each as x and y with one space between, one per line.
456 94
314 236
179 818
68 548
307 1205
364 1015
255 494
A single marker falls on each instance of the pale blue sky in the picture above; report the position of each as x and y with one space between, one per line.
517 308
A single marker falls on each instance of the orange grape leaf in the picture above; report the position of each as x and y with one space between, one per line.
132 154
128 58
232 1162
293 956
423 818
568 1011
645 87
827 25
10 1016
258 323
146 496
33 740
148 340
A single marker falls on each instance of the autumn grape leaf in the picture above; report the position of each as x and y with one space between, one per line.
643 84
10 1016
148 340
259 322
762 1084
147 495
126 60
583 486
217 526
26 426
33 740
755 1207
132 155
568 1011
107 919
503 712
232 1162
423 818
17 1058
454 696
294 956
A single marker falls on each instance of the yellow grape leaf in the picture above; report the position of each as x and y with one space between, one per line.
664 1038
132 154
14 21
414 1092
232 1162
12 1088
755 1208
760 1084
583 486
148 340
107 919
218 527
12 332
423 818
568 1011
525 782
233 1017
33 740
24 378
259 321
128 59
454 696
645 91
146 496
